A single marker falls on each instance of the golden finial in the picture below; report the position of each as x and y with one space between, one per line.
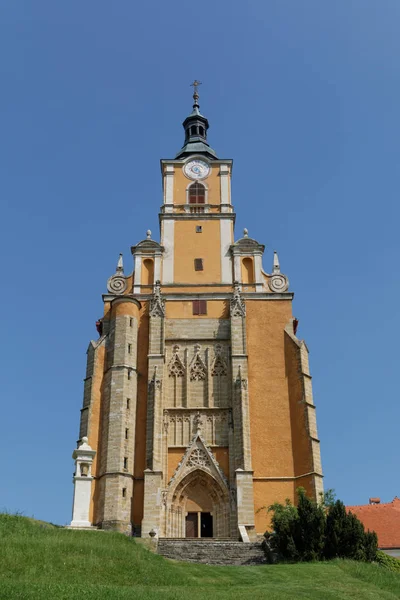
195 85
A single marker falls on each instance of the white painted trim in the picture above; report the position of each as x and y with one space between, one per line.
237 268
169 187
157 268
225 197
168 258
226 259
138 274
258 269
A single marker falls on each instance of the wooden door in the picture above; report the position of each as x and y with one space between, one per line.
191 525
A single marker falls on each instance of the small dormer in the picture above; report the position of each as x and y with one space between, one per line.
247 263
147 256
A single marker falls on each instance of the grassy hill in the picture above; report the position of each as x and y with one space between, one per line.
39 561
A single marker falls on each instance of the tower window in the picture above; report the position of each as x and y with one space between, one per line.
201 131
129 373
199 307
197 193
199 229
129 348
128 403
198 264
126 433
131 322
193 131
124 492
125 463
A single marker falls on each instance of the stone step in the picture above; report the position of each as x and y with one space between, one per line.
211 551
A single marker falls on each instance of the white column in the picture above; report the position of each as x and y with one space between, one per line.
157 268
226 259
224 177
168 258
259 280
169 188
82 484
138 274
238 268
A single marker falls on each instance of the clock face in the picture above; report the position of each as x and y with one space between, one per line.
196 169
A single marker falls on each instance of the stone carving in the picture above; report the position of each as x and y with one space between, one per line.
219 367
197 421
176 368
241 382
197 457
117 282
238 307
166 421
198 371
202 457
278 283
155 383
157 303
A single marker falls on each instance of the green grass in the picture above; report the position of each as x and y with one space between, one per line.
39 561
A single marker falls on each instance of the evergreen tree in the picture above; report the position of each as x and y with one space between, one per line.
310 530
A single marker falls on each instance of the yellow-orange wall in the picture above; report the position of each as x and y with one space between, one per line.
189 245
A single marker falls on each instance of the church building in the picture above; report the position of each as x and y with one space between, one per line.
198 409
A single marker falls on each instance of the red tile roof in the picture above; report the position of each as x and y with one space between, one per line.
382 518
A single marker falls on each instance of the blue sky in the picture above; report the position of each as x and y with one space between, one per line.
304 96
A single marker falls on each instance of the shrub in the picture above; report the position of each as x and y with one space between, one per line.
311 531
388 562
346 537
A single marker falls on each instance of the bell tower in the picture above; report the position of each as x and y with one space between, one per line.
198 402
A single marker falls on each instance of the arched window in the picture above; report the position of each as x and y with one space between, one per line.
193 131
201 131
197 193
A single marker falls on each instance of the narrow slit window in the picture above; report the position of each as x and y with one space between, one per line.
124 492
129 348
198 264
125 463
131 322
126 433
129 374
128 403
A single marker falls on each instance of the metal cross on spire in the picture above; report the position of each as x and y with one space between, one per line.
195 85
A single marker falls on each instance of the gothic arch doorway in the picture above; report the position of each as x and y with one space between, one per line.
198 506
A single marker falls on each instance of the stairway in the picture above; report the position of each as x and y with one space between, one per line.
211 551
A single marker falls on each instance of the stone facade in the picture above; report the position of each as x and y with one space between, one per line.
197 398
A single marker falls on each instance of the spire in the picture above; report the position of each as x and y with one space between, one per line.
276 266
196 126
195 85
120 264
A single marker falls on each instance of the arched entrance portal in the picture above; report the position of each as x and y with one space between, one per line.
198 507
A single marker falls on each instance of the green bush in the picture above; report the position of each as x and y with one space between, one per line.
312 531
389 562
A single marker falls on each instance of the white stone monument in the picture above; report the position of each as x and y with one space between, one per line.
83 456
